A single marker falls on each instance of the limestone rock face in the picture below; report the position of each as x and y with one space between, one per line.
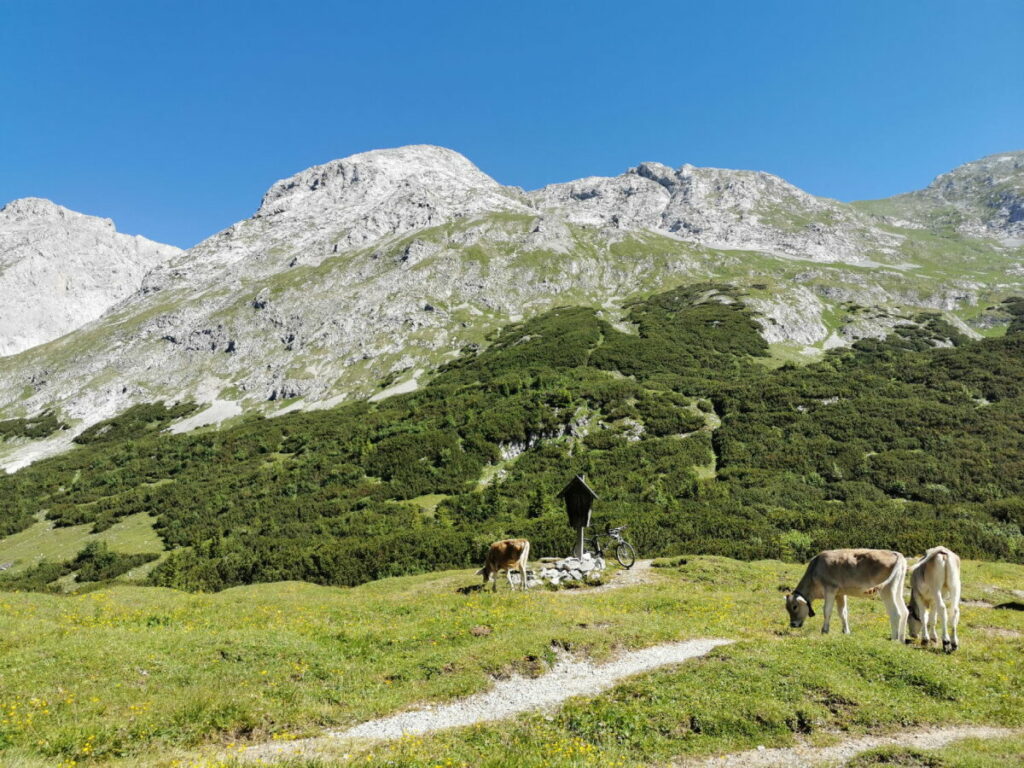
984 198
742 210
60 270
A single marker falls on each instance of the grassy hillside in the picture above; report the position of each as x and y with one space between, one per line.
682 429
136 676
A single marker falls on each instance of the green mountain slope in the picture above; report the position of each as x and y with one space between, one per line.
690 433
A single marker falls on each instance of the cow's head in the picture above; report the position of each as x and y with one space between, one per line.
799 608
913 621
485 572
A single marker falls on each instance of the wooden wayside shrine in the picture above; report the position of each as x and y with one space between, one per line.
578 498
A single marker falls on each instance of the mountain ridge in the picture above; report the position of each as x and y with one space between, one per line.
388 262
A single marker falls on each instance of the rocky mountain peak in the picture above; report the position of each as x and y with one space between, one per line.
60 269
41 210
377 175
717 207
983 198
993 170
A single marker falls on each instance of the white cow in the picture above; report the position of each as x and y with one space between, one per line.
836 573
934 592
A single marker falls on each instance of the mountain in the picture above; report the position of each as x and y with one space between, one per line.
680 426
980 199
60 270
367 271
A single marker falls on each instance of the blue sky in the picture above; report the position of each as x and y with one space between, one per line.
173 118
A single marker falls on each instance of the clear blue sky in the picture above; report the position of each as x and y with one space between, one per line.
172 118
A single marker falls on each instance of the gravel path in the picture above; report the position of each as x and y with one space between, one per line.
640 573
569 677
839 754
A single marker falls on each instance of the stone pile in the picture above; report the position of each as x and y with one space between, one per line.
586 568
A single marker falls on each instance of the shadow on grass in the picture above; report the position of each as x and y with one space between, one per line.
1011 606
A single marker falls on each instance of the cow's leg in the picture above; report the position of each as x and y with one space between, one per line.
844 613
927 619
830 599
902 611
508 575
954 610
944 615
897 610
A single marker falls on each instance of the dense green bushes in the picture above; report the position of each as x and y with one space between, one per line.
685 437
33 427
135 422
94 563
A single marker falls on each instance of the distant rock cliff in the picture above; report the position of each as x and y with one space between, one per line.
60 270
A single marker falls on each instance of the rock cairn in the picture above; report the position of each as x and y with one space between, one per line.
568 569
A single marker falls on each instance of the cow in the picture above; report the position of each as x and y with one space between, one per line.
934 592
504 556
836 573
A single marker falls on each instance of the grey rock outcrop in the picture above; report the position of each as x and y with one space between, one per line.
984 198
60 270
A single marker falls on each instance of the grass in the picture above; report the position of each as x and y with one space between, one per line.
135 676
975 753
428 502
42 541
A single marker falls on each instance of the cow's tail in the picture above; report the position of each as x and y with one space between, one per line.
899 571
928 556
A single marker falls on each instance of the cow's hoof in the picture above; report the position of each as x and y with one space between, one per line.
947 646
908 641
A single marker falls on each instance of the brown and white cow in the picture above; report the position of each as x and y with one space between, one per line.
934 592
505 556
836 573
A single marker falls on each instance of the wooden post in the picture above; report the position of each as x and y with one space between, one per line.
579 543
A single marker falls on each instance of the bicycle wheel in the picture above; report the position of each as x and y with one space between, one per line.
625 554
593 546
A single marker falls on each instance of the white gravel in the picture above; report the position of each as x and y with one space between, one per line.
839 754
569 677
215 413
640 573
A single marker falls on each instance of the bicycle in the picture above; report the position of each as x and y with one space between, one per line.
624 551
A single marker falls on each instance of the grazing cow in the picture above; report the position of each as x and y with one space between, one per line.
504 556
836 573
934 592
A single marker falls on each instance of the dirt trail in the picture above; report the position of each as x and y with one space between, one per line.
568 677
839 754
640 573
